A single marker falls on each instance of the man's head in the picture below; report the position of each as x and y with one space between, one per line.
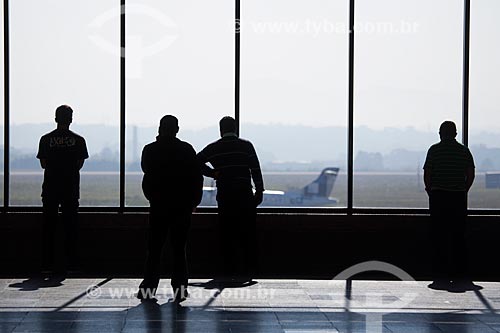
448 130
64 115
227 125
169 126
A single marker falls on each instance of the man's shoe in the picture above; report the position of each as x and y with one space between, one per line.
440 285
180 294
464 285
146 293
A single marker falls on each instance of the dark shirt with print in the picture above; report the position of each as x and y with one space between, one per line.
63 152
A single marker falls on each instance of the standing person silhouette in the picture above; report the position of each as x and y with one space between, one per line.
235 165
173 184
61 154
448 176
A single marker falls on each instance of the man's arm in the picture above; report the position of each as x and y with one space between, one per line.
427 170
42 154
146 181
256 175
469 178
145 164
84 154
203 160
79 164
427 179
195 176
469 171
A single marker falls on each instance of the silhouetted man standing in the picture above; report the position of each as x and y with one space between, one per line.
62 154
173 185
235 165
448 176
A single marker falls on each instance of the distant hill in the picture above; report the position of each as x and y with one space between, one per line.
280 147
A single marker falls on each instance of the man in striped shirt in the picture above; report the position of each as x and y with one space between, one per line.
235 165
448 176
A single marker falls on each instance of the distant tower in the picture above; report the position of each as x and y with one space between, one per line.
135 145
419 178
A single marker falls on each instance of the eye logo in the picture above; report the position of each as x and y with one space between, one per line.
137 53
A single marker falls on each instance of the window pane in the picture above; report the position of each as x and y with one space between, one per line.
180 61
65 52
484 100
294 97
408 79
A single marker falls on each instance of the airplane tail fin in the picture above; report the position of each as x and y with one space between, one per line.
323 185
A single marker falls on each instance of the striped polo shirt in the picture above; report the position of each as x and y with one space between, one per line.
235 162
447 162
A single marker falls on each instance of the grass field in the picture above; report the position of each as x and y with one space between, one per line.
398 190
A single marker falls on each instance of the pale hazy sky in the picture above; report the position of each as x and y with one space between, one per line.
294 64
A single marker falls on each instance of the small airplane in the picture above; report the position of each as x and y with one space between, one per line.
314 194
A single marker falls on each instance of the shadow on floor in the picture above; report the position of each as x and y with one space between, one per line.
38 282
225 283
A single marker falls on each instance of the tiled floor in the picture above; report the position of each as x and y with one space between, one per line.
298 306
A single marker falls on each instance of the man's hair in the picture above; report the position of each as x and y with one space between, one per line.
448 130
169 126
64 114
227 124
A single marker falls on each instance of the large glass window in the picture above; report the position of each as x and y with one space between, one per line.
65 52
180 61
294 66
294 88
484 118
408 79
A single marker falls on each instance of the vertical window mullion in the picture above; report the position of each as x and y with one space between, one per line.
6 125
466 66
122 104
350 130
237 67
